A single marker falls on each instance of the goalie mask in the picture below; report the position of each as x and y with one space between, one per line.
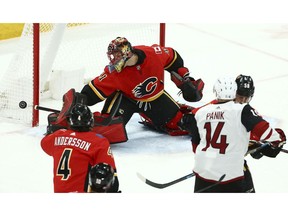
119 51
225 88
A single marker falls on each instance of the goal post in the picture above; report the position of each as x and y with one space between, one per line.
36 73
51 58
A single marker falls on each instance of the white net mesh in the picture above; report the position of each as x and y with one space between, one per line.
17 82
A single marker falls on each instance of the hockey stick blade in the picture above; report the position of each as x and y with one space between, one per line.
216 183
161 186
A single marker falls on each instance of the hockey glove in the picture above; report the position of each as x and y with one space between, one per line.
252 149
192 90
257 155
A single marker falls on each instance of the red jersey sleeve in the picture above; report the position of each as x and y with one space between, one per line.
165 54
103 154
46 144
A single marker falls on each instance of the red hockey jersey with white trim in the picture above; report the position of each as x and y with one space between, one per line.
73 154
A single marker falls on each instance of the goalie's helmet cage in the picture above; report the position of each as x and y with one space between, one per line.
245 86
225 88
80 118
119 51
100 177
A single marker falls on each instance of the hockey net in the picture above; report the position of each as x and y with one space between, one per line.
67 55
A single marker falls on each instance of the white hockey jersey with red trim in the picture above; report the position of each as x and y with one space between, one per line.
224 141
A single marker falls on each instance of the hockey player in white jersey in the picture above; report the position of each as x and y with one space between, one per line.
220 135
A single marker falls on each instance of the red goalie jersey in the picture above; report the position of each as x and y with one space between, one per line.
143 82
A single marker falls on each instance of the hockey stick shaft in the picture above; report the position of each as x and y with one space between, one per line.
284 150
210 186
258 149
37 107
161 186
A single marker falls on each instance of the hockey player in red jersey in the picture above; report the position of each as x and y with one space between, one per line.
137 72
220 135
75 150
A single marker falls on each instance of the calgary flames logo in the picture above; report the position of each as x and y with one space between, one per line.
145 88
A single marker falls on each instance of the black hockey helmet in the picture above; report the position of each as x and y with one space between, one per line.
80 118
245 86
101 176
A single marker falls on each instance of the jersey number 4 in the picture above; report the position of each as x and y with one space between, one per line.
212 142
64 169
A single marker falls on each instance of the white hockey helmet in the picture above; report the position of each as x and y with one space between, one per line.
225 88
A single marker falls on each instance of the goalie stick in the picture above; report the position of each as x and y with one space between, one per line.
161 186
106 121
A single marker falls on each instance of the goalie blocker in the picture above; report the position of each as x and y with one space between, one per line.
192 90
109 126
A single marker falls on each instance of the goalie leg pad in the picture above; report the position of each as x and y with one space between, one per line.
115 132
170 128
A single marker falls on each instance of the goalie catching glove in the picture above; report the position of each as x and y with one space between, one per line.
192 90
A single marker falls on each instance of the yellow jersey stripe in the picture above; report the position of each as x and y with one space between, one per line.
96 91
172 62
112 102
